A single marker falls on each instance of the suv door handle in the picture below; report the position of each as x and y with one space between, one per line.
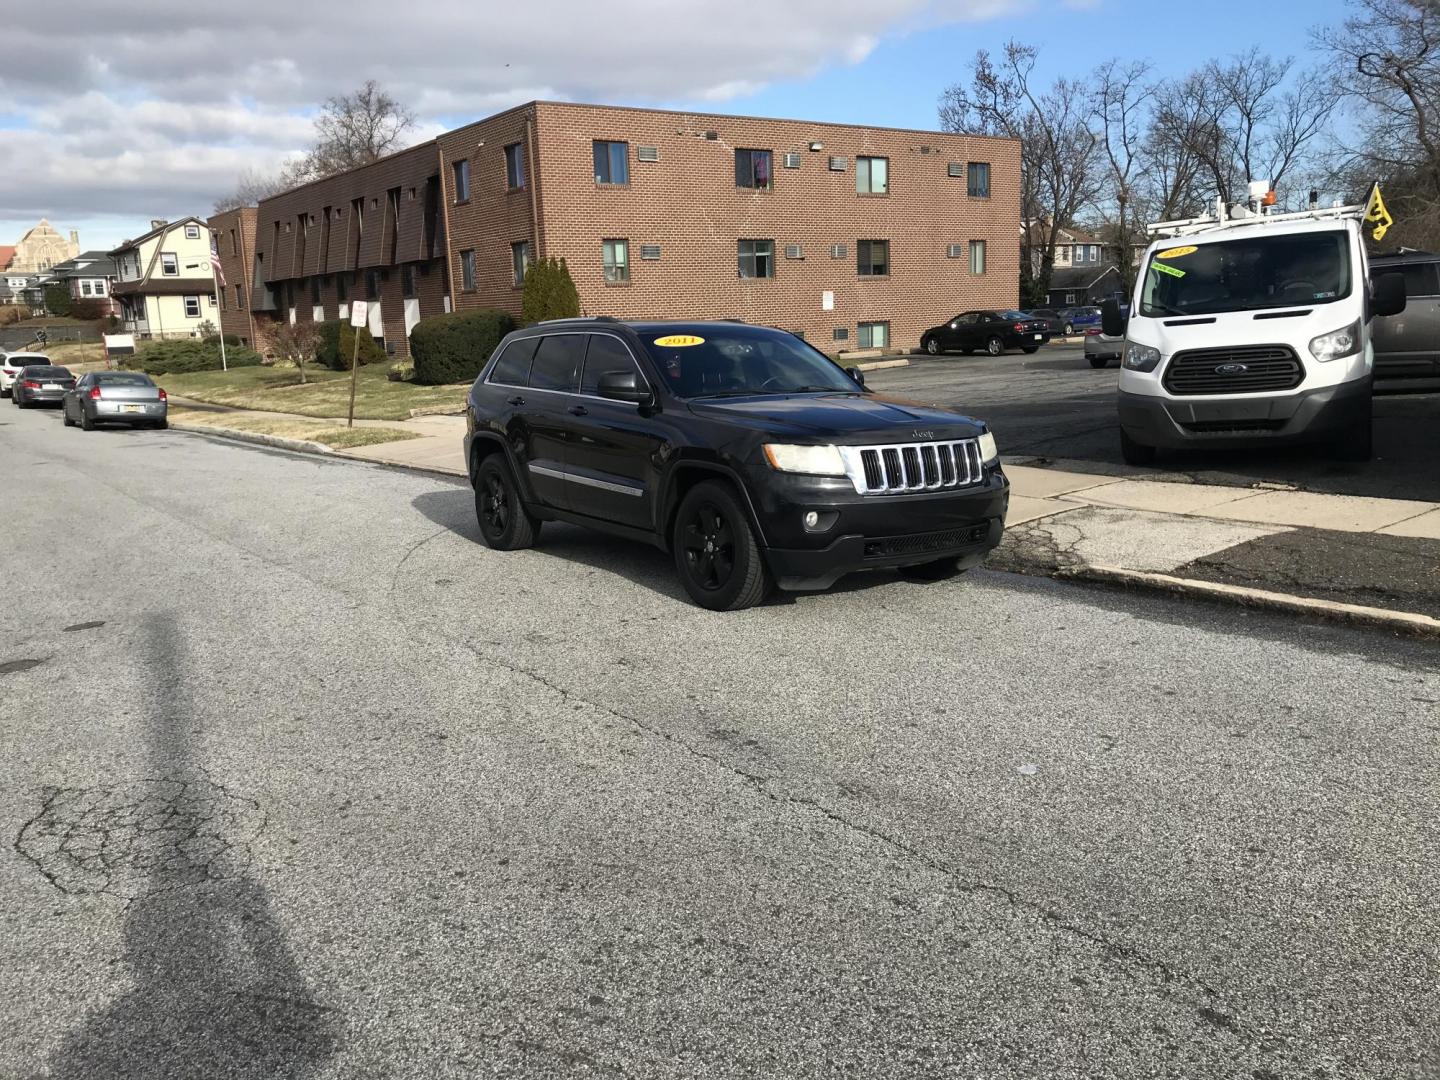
516 400
579 410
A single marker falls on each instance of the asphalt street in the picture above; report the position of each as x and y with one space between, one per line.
1055 405
299 780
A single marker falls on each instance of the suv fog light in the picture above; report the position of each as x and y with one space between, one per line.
812 519
819 521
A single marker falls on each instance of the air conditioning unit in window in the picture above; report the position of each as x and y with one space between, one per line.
837 251
650 251
647 153
794 251
792 160
954 251
957 168
838 164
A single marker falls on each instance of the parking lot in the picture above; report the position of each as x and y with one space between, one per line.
1054 405
300 780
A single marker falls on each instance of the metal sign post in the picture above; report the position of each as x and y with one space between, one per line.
357 321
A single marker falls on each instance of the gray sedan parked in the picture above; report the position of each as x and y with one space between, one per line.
1101 348
38 383
115 397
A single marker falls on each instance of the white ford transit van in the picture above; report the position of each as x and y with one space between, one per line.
1248 330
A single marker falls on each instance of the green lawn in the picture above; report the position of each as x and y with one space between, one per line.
326 393
334 436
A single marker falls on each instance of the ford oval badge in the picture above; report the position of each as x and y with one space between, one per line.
1231 369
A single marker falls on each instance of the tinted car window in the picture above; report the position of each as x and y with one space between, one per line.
714 360
43 372
605 354
513 367
557 362
123 378
1421 279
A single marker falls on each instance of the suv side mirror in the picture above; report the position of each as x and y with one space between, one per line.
1111 320
624 386
856 374
1388 296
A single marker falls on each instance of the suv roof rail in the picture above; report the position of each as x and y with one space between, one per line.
579 318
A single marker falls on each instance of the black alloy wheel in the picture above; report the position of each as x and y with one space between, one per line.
505 523
715 551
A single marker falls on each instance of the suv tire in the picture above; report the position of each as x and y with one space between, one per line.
505 523
716 555
1135 453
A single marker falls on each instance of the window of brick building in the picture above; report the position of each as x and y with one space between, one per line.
461 170
239 297
872 176
612 162
872 258
314 290
514 166
977 256
616 256
519 261
757 258
752 169
977 180
372 284
467 270
874 335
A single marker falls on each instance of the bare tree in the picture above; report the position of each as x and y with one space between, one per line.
297 343
1058 147
1120 105
352 129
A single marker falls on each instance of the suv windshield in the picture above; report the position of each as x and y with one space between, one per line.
715 361
1248 274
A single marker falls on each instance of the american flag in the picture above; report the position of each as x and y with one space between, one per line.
216 267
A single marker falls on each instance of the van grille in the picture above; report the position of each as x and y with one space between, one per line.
911 467
1261 368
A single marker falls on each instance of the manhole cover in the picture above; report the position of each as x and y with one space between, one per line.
140 837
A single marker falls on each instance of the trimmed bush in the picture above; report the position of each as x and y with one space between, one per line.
337 345
453 348
549 292
184 355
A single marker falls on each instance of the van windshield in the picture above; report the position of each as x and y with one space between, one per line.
1249 274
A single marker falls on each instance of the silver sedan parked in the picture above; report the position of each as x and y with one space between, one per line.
1101 348
116 397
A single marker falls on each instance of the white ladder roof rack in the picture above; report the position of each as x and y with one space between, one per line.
1227 218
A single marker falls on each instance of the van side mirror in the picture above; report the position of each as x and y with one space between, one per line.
1112 321
624 386
856 374
1388 295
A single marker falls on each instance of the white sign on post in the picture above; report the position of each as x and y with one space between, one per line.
827 301
357 312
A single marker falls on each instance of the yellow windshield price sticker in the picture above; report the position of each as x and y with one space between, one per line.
1175 253
679 341
1168 270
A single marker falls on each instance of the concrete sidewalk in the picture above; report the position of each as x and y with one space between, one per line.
1303 551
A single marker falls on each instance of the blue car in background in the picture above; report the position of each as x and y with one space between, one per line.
1081 318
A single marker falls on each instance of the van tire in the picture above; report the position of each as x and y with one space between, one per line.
1135 453
1356 442
1099 361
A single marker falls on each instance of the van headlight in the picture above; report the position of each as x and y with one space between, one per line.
1337 343
1141 357
813 460
989 452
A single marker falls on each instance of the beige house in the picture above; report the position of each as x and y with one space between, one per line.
164 281
41 248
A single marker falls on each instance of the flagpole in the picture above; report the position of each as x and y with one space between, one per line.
219 309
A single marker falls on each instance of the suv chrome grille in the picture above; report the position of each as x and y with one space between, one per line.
911 467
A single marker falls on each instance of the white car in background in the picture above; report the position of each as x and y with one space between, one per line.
11 365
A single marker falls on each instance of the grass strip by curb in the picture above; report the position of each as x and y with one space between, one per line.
1405 622
328 433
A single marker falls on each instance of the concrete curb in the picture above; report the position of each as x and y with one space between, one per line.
877 365
300 446
1404 622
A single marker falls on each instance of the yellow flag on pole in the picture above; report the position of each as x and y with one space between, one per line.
1376 214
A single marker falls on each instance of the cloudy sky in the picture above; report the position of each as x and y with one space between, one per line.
110 116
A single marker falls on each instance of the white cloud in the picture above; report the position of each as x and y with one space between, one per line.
157 112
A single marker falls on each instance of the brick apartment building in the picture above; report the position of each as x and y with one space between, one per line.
856 237
232 238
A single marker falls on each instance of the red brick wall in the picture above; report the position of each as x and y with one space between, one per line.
688 203
237 266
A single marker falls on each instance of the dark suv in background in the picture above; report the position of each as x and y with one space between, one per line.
743 451
1407 346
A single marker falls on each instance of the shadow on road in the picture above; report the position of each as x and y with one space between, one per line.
215 991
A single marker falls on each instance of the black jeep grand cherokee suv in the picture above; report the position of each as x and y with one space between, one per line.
742 450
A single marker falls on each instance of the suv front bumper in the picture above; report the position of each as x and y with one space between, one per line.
1244 423
870 532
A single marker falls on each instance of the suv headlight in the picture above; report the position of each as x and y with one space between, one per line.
989 452
1141 357
814 460
1337 343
